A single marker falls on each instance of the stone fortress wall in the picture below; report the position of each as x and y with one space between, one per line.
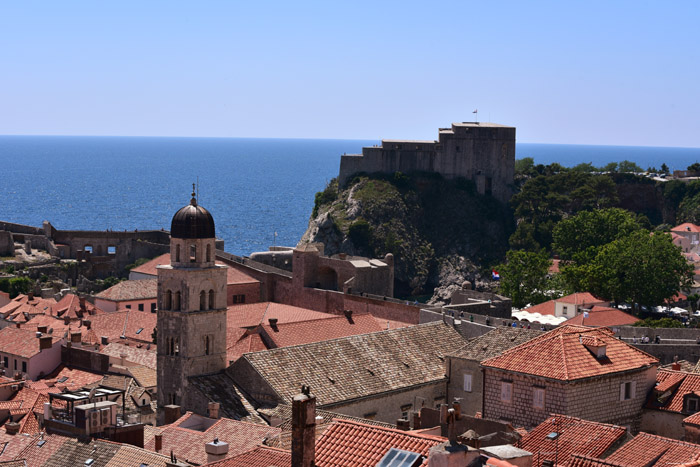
481 152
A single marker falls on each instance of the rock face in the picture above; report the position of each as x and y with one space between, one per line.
440 232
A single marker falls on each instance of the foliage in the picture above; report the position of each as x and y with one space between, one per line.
641 268
664 168
524 166
523 276
360 233
659 323
16 285
108 282
10 269
629 166
137 263
328 195
695 167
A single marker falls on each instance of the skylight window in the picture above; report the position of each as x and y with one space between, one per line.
400 458
139 331
62 379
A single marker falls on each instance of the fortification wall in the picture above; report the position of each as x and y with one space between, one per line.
20 228
7 243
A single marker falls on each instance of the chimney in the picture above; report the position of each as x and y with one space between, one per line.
214 409
403 424
216 450
45 342
30 296
303 428
159 442
75 337
122 359
676 366
12 428
273 324
416 420
81 300
171 414
87 323
451 453
348 315
42 329
104 340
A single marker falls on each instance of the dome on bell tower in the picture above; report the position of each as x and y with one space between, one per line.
192 221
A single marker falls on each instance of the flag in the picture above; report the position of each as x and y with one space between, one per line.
494 275
475 111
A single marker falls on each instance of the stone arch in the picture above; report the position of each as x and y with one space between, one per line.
207 344
193 253
202 300
167 300
212 299
327 278
208 253
176 301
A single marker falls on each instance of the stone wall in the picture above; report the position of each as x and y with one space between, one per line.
663 423
247 377
666 353
7 243
472 401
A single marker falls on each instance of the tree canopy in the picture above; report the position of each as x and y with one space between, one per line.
523 276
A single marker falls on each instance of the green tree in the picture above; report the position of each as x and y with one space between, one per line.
642 268
695 167
524 276
629 166
664 168
584 167
16 285
524 166
610 167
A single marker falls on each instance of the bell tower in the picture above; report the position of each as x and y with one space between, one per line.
191 307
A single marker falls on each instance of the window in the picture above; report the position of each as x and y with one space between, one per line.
140 306
538 398
238 298
627 390
208 253
111 250
167 300
467 383
211 300
153 307
404 411
566 310
15 364
176 301
506 392
193 253
692 404
138 331
6 362
143 401
177 253
206 345
24 367
87 248
202 301
177 347
128 307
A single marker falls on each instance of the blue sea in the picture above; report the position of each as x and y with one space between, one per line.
253 187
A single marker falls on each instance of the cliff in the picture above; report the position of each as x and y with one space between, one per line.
438 230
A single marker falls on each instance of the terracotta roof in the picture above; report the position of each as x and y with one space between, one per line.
220 388
261 456
554 268
74 452
357 366
144 376
603 316
284 411
71 378
331 327
36 454
186 438
693 419
20 342
687 227
130 290
70 307
134 325
559 354
494 343
12 445
254 314
585 461
17 463
240 341
352 444
142 356
651 450
581 298
670 389
233 275
545 308
576 436
128 455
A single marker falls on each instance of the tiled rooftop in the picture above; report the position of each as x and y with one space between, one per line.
130 290
134 325
357 366
254 314
220 388
233 275
145 377
494 343
20 342
585 461
74 452
679 384
72 378
545 308
331 327
352 444
128 456
576 436
687 227
70 307
651 450
559 354
582 298
603 316
261 456
12 445
142 356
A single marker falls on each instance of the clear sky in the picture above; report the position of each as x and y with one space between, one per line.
593 72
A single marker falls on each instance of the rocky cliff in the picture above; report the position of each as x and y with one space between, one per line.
440 232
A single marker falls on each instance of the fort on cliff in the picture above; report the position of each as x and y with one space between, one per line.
481 152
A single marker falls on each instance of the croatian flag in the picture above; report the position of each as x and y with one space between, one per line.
494 275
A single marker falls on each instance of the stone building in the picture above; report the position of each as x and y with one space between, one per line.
572 370
466 380
675 397
481 152
191 307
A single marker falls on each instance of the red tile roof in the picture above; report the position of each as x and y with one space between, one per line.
130 290
603 316
74 378
687 227
188 444
331 327
233 275
679 384
37 455
126 323
261 456
693 419
144 355
254 314
20 342
240 341
559 354
646 449
12 445
70 307
582 298
352 444
545 308
585 461
576 436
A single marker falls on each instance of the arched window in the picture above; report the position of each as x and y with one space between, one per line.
211 300
202 300
208 253
170 348
177 253
206 345
176 350
193 253
176 301
167 300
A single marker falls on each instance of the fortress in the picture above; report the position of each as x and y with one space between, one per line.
481 152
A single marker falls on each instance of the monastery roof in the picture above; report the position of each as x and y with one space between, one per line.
71 378
145 377
130 290
559 354
70 307
234 403
240 341
671 387
186 438
331 327
356 366
576 436
141 356
37 454
352 444
603 316
254 314
21 342
494 343
261 456
233 275
651 450
581 298
132 324
128 455
545 308
686 227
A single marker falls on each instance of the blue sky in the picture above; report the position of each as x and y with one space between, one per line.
594 72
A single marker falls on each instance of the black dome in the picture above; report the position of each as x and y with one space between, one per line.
192 221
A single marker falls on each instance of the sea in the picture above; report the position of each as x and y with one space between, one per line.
260 191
